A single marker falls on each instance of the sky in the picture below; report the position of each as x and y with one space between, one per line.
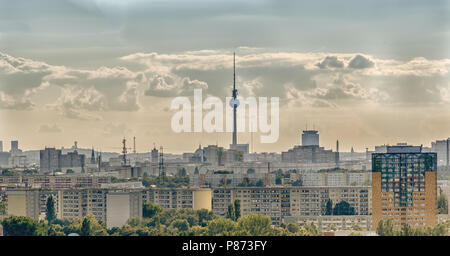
365 73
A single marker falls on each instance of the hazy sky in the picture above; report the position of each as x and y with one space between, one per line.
364 73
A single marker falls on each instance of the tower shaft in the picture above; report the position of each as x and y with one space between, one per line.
234 98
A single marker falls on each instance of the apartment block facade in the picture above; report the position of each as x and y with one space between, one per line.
281 202
404 186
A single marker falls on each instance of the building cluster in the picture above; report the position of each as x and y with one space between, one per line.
280 201
113 205
53 182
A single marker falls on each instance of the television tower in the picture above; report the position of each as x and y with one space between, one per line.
234 102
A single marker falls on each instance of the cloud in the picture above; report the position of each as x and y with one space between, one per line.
331 62
173 85
360 62
298 79
45 128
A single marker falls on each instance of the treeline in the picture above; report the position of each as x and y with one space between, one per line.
165 181
386 228
157 221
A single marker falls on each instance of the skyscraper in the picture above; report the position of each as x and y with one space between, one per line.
404 186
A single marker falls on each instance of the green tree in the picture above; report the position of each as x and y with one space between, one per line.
237 209
180 225
55 230
329 207
293 228
385 228
259 183
250 171
442 203
86 229
22 226
150 209
50 214
221 227
2 208
231 213
204 216
254 225
91 227
343 208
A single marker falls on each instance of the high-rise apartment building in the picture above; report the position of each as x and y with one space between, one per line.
404 186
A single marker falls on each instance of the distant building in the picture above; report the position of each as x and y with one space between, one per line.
214 180
14 146
310 138
155 155
52 159
441 147
4 159
309 154
404 186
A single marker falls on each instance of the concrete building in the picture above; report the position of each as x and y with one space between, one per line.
121 206
77 203
404 186
179 198
280 202
23 203
335 178
213 179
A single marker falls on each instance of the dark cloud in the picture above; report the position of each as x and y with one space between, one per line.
360 62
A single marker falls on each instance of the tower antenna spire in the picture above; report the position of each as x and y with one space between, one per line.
234 102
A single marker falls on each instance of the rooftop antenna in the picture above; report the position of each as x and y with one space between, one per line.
134 145
124 151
